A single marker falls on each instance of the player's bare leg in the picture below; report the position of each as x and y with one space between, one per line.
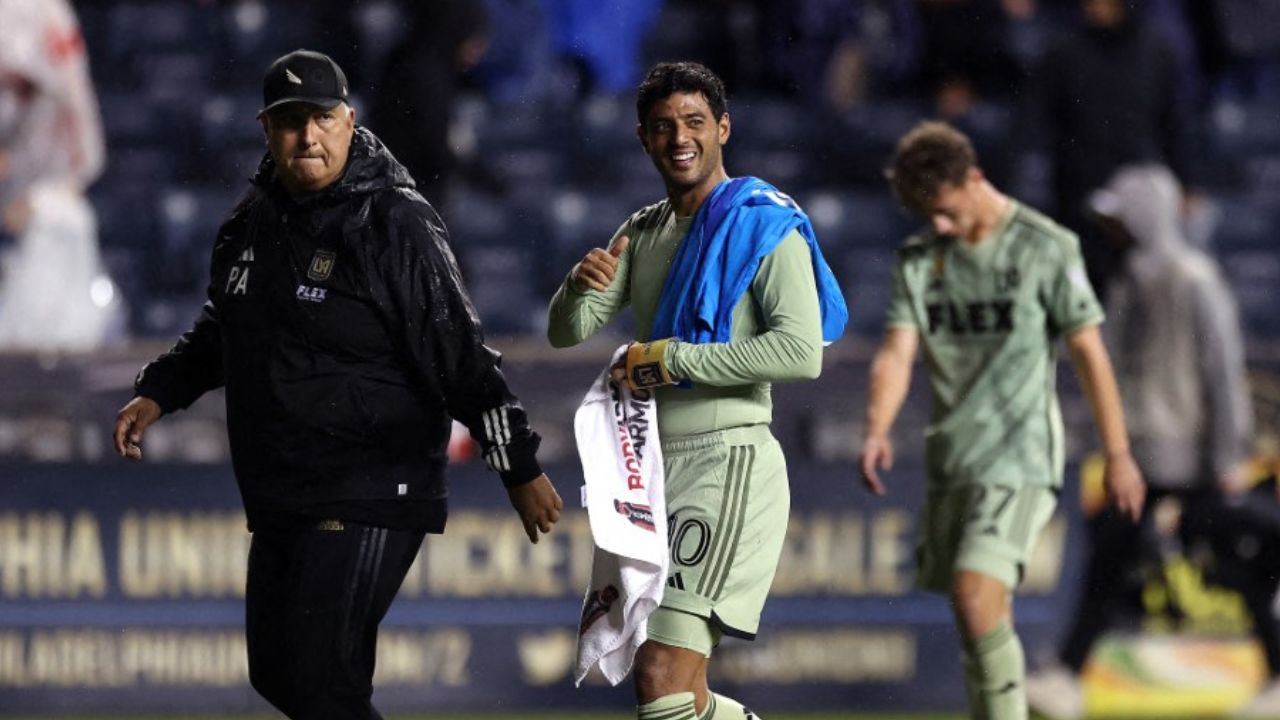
667 682
672 679
719 707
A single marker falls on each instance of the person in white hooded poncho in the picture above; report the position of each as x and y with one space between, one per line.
1176 341
55 294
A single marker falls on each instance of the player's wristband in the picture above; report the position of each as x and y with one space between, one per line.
646 365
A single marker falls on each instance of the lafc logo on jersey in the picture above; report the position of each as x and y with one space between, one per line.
992 316
1008 280
321 265
939 269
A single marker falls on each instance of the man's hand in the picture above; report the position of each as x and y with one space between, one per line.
1234 482
877 453
131 422
538 504
1125 486
596 270
16 216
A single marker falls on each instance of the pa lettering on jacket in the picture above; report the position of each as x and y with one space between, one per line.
238 277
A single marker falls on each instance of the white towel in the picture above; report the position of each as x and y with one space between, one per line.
617 434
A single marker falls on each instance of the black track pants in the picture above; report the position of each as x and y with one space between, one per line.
314 599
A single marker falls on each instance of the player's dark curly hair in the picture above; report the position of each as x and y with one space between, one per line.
668 78
931 154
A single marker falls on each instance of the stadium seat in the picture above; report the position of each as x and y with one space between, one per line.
524 125
607 150
139 166
128 118
380 25
1253 276
503 287
580 220
859 143
851 219
790 170
230 119
125 217
259 31
126 235
1263 173
527 167
175 77
234 166
864 274
475 218
187 221
136 27
142 44
770 123
1246 222
1242 129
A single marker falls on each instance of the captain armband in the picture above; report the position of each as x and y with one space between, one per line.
646 365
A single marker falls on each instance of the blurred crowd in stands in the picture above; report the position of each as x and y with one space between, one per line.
516 118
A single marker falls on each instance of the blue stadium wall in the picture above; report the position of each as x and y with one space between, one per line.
123 587
121 584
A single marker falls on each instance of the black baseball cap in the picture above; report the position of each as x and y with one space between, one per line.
304 76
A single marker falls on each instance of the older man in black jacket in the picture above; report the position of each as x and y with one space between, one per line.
339 326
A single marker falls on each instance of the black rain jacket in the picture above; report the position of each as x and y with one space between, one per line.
339 326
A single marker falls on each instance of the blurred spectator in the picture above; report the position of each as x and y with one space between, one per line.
830 53
519 65
966 52
816 49
54 293
604 38
724 35
1178 349
1105 96
836 52
1239 46
413 103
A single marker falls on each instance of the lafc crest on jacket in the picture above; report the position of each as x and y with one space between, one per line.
321 265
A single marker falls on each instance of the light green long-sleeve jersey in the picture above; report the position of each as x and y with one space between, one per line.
776 334
989 317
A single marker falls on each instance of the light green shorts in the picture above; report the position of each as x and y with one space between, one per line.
990 528
683 630
727 508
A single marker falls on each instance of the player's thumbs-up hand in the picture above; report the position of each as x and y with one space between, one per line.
619 245
596 270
